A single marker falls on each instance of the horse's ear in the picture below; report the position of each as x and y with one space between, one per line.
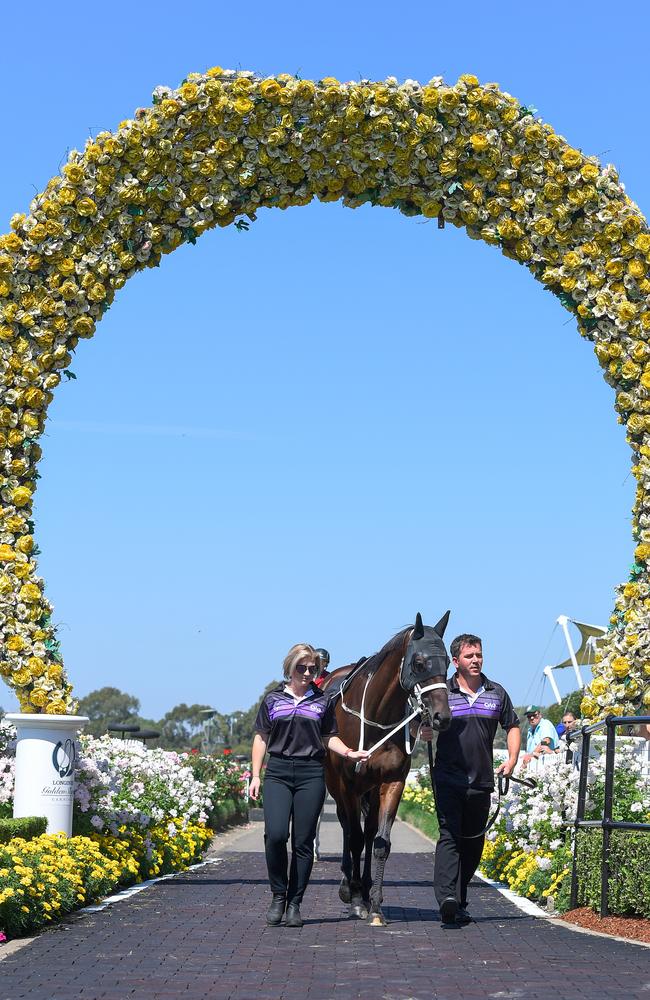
418 631
439 629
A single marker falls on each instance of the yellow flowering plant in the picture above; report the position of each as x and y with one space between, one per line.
226 144
44 878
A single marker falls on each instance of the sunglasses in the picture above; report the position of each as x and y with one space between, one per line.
304 668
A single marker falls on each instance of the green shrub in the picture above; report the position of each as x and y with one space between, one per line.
425 821
26 827
629 865
227 812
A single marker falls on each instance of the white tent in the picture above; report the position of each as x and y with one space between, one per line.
590 636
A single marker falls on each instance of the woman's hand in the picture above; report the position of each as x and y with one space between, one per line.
254 789
357 754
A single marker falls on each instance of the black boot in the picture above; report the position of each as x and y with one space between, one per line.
276 909
293 915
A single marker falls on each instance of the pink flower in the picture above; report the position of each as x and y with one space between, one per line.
3 937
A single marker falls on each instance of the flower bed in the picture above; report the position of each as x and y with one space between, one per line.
530 846
44 878
138 813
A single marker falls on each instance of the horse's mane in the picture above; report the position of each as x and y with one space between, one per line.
375 661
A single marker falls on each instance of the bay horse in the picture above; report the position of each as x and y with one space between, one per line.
376 696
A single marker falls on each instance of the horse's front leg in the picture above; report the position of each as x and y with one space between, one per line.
389 799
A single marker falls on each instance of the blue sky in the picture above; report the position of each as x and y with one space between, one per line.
310 431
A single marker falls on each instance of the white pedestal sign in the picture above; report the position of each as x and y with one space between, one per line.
45 762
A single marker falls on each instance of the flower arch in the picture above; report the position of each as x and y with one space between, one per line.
225 144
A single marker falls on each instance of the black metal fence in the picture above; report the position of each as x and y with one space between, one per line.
606 823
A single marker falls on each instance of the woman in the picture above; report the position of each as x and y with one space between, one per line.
295 723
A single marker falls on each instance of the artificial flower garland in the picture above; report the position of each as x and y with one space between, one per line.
225 144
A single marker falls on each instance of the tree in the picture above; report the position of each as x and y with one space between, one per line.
180 728
108 704
569 704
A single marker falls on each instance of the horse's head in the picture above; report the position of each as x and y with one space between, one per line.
426 662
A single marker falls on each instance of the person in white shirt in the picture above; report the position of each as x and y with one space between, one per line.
542 734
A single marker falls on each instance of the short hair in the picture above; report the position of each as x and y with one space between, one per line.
569 712
466 639
296 653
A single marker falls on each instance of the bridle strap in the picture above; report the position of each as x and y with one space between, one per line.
417 706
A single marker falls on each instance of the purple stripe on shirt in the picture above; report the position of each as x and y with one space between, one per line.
482 713
282 709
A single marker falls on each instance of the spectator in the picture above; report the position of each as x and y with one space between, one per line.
542 735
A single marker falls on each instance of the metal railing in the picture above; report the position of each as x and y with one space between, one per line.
607 823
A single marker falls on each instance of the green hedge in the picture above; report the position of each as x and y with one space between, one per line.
425 821
27 827
227 812
629 865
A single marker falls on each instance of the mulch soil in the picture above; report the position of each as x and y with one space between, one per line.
634 928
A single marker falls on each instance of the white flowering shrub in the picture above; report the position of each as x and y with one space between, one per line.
122 784
530 846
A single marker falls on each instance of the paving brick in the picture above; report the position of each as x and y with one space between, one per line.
202 935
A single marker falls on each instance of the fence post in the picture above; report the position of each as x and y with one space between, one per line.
580 812
610 749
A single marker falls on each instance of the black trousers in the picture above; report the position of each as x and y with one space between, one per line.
461 811
294 791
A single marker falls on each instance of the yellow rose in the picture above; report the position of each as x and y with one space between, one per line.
21 496
86 206
83 326
242 105
571 158
29 593
479 142
598 687
15 643
590 172
270 89
630 370
96 292
620 668
25 544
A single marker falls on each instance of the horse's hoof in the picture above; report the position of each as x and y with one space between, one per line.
377 920
359 911
344 893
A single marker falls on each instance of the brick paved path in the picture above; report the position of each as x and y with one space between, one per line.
202 934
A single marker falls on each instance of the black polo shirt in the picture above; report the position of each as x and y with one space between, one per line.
464 751
293 729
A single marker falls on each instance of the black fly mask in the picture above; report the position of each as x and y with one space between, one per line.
425 655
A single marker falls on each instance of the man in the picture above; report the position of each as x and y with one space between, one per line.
542 736
464 773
